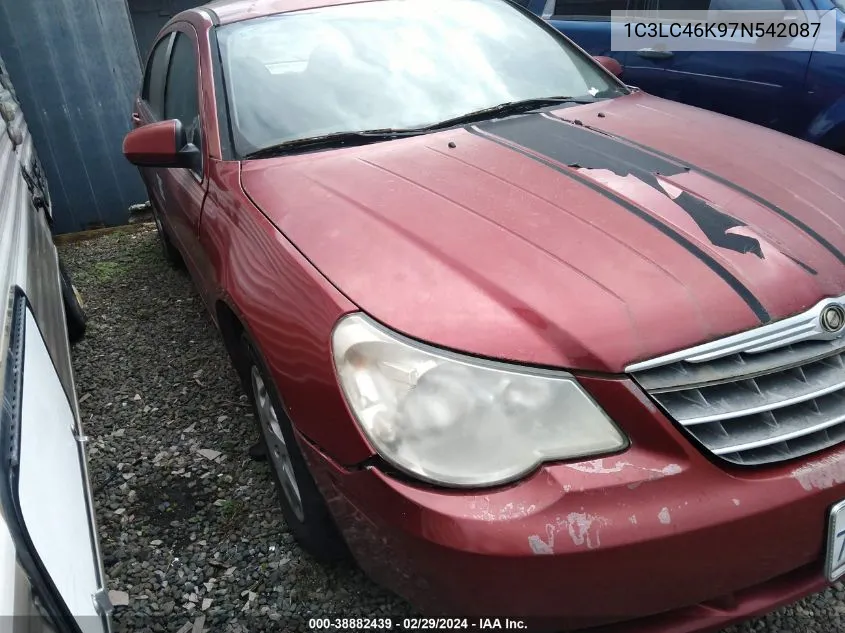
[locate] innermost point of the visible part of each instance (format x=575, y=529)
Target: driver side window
x=153, y=89
x=181, y=96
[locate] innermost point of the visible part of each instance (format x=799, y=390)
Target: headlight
x=458, y=420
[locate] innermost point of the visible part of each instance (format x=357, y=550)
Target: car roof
x=227, y=11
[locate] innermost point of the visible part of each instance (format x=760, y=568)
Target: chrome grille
x=763, y=396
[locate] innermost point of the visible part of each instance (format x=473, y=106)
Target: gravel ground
x=189, y=525
x=185, y=531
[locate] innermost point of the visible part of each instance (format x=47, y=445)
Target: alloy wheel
x=277, y=449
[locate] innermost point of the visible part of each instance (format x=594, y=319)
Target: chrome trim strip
x=765, y=370
x=800, y=327
x=772, y=406
x=738, y=448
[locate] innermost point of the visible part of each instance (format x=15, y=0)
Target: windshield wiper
x=503, y=109
x=331, y=141
x=365, y=137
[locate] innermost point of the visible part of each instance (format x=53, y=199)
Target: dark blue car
x=800, y=93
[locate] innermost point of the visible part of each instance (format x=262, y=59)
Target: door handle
x=653, y=53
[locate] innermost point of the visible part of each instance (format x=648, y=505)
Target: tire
x=170, y=252
x=303, y=506
x=75, y=315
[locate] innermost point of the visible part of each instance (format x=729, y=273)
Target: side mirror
x=162, y=144
x=611, y=65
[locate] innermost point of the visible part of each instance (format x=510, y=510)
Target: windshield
x=394, y=64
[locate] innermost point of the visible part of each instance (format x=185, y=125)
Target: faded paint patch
x=822, y=474
x=579, y=530
x=598, y=467
x=671, y=469
x=736, y=501
x=539, y=546
x=583, y=529
x=516, y=511
x=664, y=517
x=656, y=473
x=633, y=519
x=481, y=509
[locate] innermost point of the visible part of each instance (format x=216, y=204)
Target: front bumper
x=658, y=538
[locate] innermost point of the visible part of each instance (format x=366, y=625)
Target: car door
x=180, y=193
x=185, y=187
x=759, y=86
x=825, y=106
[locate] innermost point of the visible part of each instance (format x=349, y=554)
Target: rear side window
x=182, y=94
x=153, y=90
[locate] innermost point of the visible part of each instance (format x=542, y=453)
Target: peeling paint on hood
x=491, y=248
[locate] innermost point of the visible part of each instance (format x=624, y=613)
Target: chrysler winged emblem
x=832, y=319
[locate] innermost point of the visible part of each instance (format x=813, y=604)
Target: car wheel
x=303, y=506
x=74, y=311
x=170, y=252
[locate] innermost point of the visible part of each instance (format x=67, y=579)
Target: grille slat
x=769, y=395
x=735, y=399
x=734, y=367
x=797, y=424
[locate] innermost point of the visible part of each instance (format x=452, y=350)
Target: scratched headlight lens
x=458, y=420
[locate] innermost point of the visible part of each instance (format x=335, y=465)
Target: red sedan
x=525, y=340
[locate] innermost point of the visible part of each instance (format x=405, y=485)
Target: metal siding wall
x=149, y=16
x=75, y=67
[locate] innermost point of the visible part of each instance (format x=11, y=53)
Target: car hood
x=588, y=237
